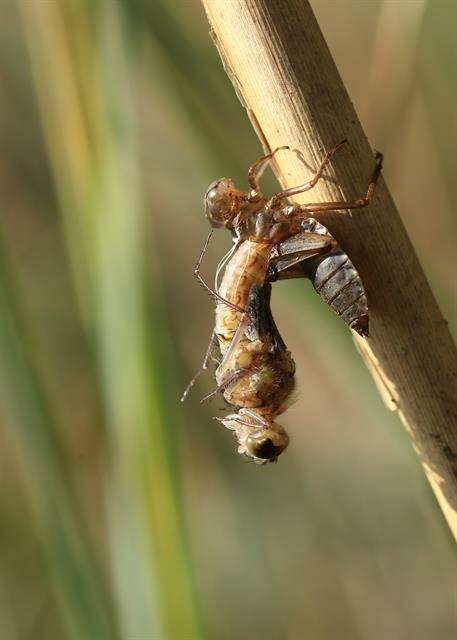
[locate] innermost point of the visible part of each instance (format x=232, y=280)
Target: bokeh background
x=125, y=514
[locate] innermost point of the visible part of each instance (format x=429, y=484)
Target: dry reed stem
x=284, y=74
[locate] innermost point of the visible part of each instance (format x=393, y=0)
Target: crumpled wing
x=330, y=270
x=298, y=248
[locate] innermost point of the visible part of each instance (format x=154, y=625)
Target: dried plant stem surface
x=283, y=72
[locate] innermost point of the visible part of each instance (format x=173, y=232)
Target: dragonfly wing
x=330, y=270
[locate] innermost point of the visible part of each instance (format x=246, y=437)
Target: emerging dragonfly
x=256, y=375
x=273, y=240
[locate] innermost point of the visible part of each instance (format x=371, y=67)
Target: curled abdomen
x=257, y=370
x=247, y=267
x=267, y=385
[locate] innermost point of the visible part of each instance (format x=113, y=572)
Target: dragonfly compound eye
x=263, y=448
x=220, y=202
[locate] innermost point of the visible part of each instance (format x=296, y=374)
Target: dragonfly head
x=222, y=203
x=265, y=444
x=260, y=439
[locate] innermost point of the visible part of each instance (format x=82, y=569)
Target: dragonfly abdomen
x=338, y=282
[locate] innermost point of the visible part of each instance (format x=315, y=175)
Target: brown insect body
x=273, y=241
x=257, y=371
x=247, y=267
x=257, y=377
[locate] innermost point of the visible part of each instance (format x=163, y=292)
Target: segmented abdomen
x=336, y=280
x=247, y=266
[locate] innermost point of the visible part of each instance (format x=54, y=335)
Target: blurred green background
x=125, y=514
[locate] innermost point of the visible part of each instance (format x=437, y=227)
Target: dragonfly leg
x=203, y=367
x=234, y=377
x=310, y=184
x=304, y=210
x=211, y=291
x=255, y=170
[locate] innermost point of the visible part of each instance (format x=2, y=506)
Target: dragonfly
x=273, y=240
x=256, y=376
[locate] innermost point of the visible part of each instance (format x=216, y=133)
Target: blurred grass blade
x=132, y=381
x=53, y=506
x=98, y=195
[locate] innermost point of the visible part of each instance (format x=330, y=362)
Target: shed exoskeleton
x=297, y=244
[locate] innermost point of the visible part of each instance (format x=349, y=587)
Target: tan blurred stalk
x=296, y=95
